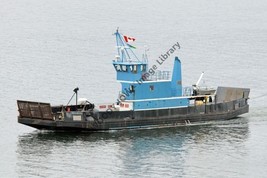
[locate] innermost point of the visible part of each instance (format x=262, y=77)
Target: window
x=132, y=88
x=135, y=69
x=151, y=87
x=118, y=67
x=124, y=68
x=143, y=68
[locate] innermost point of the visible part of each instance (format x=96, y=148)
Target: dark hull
x=118, y=120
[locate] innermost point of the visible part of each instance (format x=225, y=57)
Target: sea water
x=47, y=48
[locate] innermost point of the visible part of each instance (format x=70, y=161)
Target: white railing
x=160, y=75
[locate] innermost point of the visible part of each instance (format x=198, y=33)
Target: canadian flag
x=128, y=39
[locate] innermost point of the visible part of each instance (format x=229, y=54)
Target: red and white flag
x=128, y=39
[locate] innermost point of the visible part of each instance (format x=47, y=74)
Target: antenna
x=195, y=86
x=199, y=79
x=145, y=53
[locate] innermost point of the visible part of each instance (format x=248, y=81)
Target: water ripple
x=160, y=152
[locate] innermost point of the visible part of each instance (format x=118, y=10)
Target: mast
x=125, y=53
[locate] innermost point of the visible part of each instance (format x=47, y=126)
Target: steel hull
x=140, y=119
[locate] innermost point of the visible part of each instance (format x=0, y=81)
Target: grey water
x=47, y=48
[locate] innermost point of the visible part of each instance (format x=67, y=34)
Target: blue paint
x=134, y=77
x=176, y=84
x=127, y=71
x=161, y=103
x=148, y=90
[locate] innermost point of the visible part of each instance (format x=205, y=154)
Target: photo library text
x=152, y=70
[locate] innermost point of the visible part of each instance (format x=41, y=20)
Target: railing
x=160, y=75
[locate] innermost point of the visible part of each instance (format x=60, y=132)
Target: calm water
x=47, y=48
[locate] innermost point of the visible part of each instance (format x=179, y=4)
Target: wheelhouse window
x=143, y=68
x=124, y=68
x=117, y=67
x=135, y=69
x=120, y=68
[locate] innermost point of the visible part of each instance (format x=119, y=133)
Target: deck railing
x=160, y=75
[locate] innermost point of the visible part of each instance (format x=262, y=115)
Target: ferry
x=148, y=98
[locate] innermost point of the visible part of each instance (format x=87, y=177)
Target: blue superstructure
x=146, y=87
